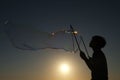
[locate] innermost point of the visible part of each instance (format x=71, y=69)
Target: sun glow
x=64, y=68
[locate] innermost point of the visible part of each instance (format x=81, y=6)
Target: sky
x=89, y=18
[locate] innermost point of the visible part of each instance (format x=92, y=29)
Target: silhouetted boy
x=97, y=63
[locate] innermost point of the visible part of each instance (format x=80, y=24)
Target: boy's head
x=97, y=42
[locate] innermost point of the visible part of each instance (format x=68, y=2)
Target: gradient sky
x=88, y=17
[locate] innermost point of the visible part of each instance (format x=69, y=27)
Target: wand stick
x=77, y=41
x=84, y=46
x=75, y=37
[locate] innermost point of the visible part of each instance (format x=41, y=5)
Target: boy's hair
x=100, y=41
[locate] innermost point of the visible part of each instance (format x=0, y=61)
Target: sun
x=64, y=68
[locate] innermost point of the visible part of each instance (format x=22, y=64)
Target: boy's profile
x=97, y=63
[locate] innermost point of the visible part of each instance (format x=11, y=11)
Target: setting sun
x=64, y=68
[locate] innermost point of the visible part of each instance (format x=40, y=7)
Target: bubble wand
x=74, y=34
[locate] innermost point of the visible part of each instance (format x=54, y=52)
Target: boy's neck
x=96, y=49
